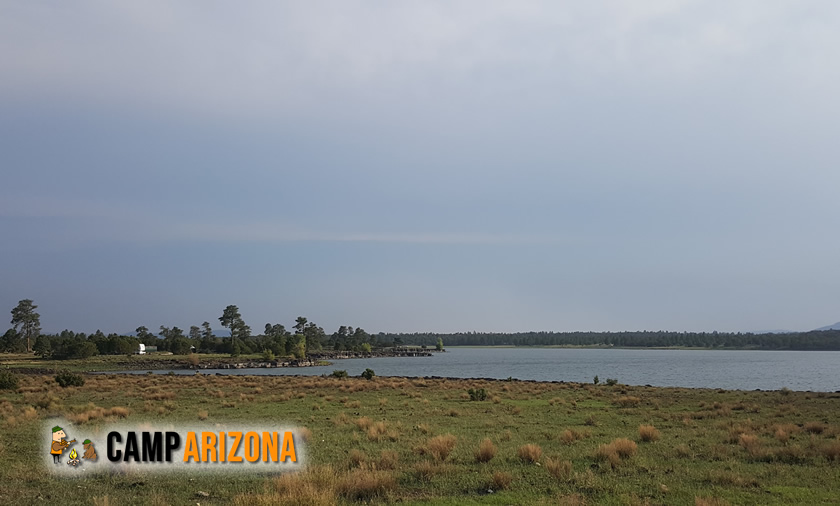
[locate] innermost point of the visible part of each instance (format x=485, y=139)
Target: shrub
x=595, y=380
x=368, y=374
x=560, y=469
x=486, y=451
x=624, y=447
x=8, y=380
x=339, y=374
x=530, y=453
x=69, y=379
x=441, y=446
x=570, y=436
x=268, y=355
x=478, y=394
x=612, y=381
x=621, y=448
x=648, y=433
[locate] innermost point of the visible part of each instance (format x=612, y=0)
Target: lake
x=729, y=369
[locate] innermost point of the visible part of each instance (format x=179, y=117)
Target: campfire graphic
x=74, y=458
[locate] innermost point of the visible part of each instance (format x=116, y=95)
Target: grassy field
x=420, y=441
x=99, y=363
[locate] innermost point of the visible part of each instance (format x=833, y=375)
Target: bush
x=268, y=355
x=530, y=453
x=596, y=380
x=440, y=447
x=612, y=381
x=368, y=374
x=8, y=380
x=648, y=433
x=486, y=451
x=477, y=394
x=339, y=374
x=69, y=379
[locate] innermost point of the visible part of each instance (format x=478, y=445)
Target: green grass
x=700, y=452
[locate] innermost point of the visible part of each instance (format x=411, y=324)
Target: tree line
x=814, y=340
x=306, y=337
x=275, y=341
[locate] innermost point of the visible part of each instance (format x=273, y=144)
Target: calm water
x=742, y=370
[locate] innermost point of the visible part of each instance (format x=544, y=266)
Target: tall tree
x=238, y=330
x=206, y=332
x=300, y=324
x=195, y=333
x=25, y=317
x=231, y=319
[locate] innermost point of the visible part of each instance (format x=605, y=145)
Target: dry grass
x=426, y=469
x=648, y=433
x=304, y=433
x=363, y=484
x=388, y=459
x=376, y=431
x=831, y=451
x=614, y=452
x=356, y=457
x=95, y=413
x=730, y=479
x=560, y=469
x=569, y=436
x=500, y=480
x=440, y=447
x=750, y=443
x=314, y=487
x=628, y=401
x=815, y=427
x=529, y=453
x=709, y=501
x=159, y=396
x=486, y=451
x=683, y=451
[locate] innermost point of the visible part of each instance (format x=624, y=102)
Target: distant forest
x=306, y=337
x=814, y=340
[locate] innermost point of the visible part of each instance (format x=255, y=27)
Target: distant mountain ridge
x=836, y=326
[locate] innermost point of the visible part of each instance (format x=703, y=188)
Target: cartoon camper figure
x=90, y=451
x=59, y=443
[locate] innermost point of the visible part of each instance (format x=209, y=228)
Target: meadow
x=429, y=441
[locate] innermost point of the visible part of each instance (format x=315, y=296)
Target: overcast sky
x=422, y=166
